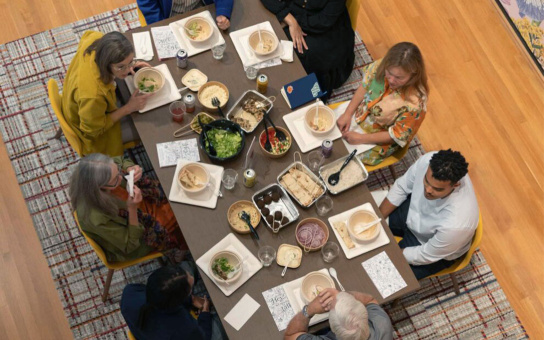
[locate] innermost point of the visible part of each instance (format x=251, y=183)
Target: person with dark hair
x=162, y=309
x=389, y=106
x=322, y=37
x=89, y=102
x=434, y=209
x=157, y=10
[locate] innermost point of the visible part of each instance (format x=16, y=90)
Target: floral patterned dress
x=384, y=109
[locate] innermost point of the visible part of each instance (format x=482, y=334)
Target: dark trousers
x=397, y=224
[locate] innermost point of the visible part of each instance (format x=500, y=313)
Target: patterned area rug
x=527, y=20
x=43, y=169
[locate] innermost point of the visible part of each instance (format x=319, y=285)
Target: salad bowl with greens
x=226, y=137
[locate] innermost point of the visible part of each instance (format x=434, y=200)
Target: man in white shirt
x=433, y=208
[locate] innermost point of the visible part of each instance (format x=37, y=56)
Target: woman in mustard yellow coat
x=89, y=103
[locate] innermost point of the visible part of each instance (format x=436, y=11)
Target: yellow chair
x=461, y=262
x=112, y=266
x=353, y=10
x=130, y=336
x=141, y=17
x=56, y=103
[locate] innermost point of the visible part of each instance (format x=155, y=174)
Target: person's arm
x=205, y=320
x=378, y=138
x=365, y=299
x=404, y=185
x=299, y=323
x=224, y=8
x=151, y=10
x=386, y=208
x=323, y=20
x=279, y=8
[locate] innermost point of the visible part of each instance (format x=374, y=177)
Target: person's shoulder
x=308, y=336
x=133, y=296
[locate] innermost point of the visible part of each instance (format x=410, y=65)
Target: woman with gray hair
x=89, y=103
x=126, y=227
x=352, y=316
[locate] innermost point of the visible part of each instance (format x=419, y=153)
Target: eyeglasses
x=124, y=67
x=118, y=178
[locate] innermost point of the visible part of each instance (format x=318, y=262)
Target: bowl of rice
x=213, y=89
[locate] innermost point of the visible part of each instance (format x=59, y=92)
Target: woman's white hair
x=349, y=318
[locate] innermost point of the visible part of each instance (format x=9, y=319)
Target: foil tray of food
x=248, y=110
x=302, y=184
x=353, y=174
x=276, y=208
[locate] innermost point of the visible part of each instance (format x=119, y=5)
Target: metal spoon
x=211, y=149
x=332, y=271
x=334, y=178
x=244, y=216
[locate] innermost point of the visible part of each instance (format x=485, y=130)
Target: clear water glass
x=177, y=109
x=315, y=160
x=330, y=251
x=266, y=255
x=218, y=51
x=229, y=178
x=251, y=72
x=323, y=205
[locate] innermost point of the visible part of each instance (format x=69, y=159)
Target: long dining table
x=202, y=228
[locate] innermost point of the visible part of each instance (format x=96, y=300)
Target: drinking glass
x=315, y=160
x=218, y=51
x=323, y=205
x=251, y=72
x=229, y=178
x=266, y=254
x=330, y=251
x=177, y=109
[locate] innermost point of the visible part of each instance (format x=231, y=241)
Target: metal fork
x=217, y=104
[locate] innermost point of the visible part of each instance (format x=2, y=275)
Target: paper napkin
x=287, y=54
x=142, y=45
x=130, y=183
x=242, y=311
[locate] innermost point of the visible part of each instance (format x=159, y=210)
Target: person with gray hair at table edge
x=352, y=316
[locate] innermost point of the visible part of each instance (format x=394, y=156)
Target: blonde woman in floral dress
x=390, y=104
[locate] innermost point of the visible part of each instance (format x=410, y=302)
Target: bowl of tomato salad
x=279, y=148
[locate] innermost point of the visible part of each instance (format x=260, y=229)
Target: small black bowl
x=223, y=124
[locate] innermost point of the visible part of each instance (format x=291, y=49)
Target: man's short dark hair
x=448, y=165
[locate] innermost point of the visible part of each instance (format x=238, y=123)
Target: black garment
x=330, y=38
x=397, y=224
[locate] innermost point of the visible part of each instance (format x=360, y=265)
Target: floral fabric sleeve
x=406, y=125
x=369, y=74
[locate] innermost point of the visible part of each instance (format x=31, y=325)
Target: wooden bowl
x=233, y=260
x=362, y=217
x=200, y=172
x=262, y=140
x=309, y=283
x=202, y=36
x=270, y=42
x=326, y=119
x=205, y=96
x=298, y=231
x=236, y=223
x=149, y=72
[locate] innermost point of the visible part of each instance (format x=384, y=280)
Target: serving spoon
x=281, y=136
x=244, y=216
x=362, y=228
x=211, y=149
x=334, y=178
x=267, y=145
x=293, y=256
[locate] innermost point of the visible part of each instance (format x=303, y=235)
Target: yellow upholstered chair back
x=56, y=103
x=141, y=17
x=353, y=10
x=394, y=158
x=130, y=336
x=465, y=260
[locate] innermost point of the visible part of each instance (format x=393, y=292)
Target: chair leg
x=455, y=283
x=393, y=171
x=107, y=285
x=58, y=134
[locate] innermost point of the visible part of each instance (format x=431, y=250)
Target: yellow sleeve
x=93, y=118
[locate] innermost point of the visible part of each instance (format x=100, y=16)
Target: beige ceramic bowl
x=233, y=259
x=201, y=36
x=205, y=99
x=149, y=72
x=311, y=284
x=320, y=224
x=236, y=223
x=325, y=118
x=262, y=140
x=200, y=172
x=269, y=40
x=362, y=217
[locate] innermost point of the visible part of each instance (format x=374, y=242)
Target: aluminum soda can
x=189, y=100
x=250, y=177
x=262, y=83
x=326, y=148
x=181, y=58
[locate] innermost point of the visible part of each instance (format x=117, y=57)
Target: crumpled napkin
x=287, y=54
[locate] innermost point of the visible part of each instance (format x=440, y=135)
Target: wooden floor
x=486, y=101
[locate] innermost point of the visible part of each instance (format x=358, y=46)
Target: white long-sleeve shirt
x=445, y=226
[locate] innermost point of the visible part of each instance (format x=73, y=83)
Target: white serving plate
x=193, y=47
x=251, y=264
x=304, y=138
x=166, y=95
x=207, y=198
x=241, y=44
x=360, y=248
